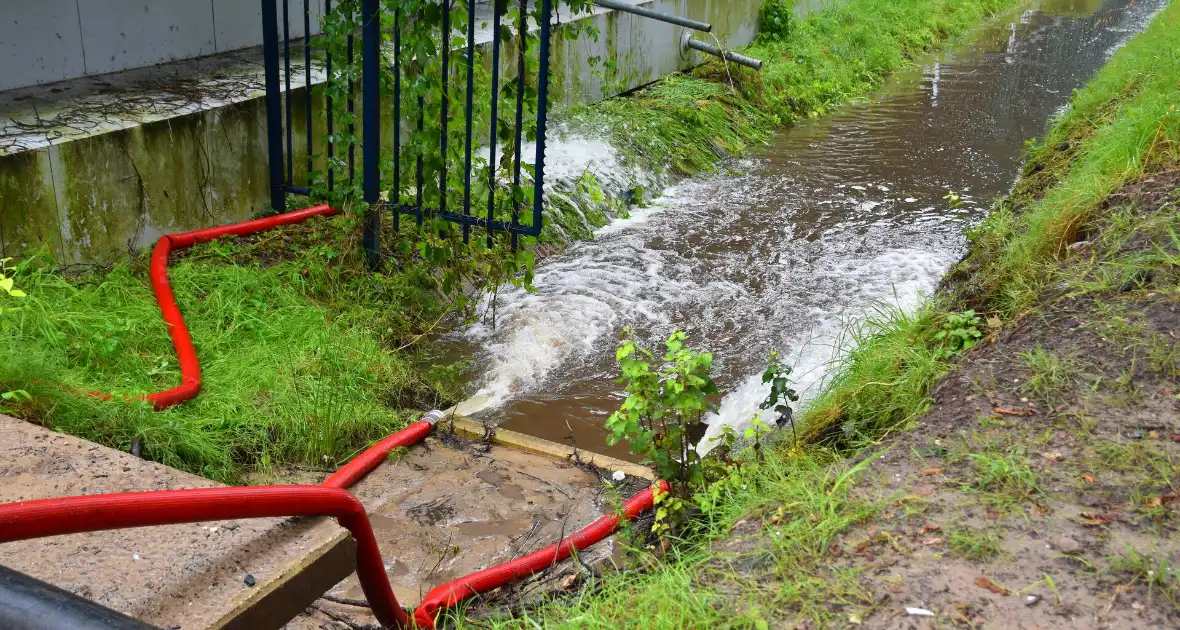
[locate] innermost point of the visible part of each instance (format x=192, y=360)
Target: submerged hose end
x=434, y=417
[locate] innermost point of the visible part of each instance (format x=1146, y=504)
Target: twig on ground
x=347, y=601
x=345, y=620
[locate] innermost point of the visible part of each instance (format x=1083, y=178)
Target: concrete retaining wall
x=89, y=197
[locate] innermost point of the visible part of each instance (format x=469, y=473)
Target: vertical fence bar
x=274, y=112
x=397, y=119
x=495, y=121
x=520, y=71
x=287, y=93
x=351, y=108
x=307, y=80
x=329, y=111
x=371, y=126
x=470, y=108
x=419, y=176
x=542, y=117
x=446, y=101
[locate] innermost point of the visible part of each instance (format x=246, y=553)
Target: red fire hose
x=446, y=595
x=362, y=464
x=72, y=515
x=190, y=369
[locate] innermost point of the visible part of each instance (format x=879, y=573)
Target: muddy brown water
x=836, y=217
x=450, y=507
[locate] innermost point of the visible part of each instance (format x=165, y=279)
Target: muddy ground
x=1042, y=489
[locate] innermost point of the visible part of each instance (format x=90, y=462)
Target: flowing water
x=782, y=251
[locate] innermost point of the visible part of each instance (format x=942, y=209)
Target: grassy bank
x=1044, y=470
x=298, y=348
x=1119, y=128
x=688, y=123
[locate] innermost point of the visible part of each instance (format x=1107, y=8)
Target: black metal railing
x=421, y=177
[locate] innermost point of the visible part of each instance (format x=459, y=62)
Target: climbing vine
x=8, y=286
x=9, y=295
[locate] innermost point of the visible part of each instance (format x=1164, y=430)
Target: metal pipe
x=655, y=15
x=287, y=90
x=329, y=110
x=351, y=110
x=470, y=112
x=740, y=59
x=29, y=603
x=494, y=118
x=523, y=41
x=397, y=118
x=444, y=105
x=307, y=83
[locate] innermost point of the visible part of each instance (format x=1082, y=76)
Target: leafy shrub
x=959, y=333
x=774, y=20
x=665, y=407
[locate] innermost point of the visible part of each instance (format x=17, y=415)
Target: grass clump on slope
x=297, y=347
x=689, y=122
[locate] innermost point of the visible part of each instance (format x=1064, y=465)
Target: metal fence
x=490, y=193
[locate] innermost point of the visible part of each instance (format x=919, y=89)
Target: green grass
x=1005, y=478
x=1157, y=572
x=974, y=544
x=298, y=354
x=695, y=586
x=883, y=379
x=1049, y=374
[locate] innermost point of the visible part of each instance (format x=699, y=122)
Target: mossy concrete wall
x=91, y=198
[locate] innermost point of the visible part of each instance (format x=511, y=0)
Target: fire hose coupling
x=434, y=417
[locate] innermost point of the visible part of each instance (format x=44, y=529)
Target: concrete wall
x=42, y=41
x=90, y=198
x=643, y=49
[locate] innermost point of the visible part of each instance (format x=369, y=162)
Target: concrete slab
x=178, y=576
x=443, y=509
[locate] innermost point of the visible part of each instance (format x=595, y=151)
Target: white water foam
x=582, y=302
x=582, y=293
x=896, y=279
